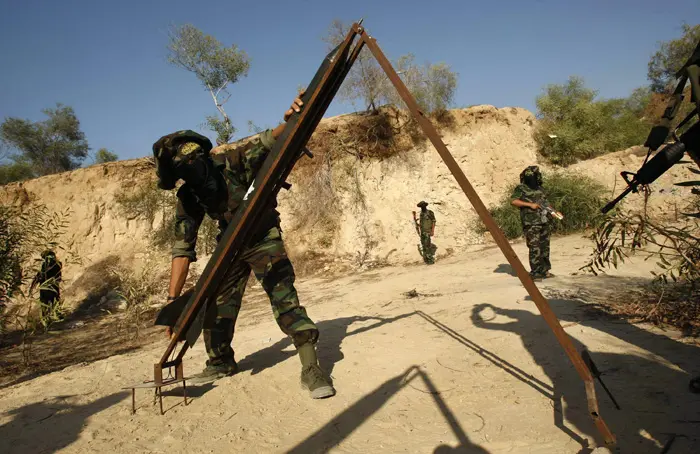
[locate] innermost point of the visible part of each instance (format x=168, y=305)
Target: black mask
x=203, y=179
x=195, y=172
x=532, y=181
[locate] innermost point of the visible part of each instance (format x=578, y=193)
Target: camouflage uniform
x=265, y=256
x=49, y=280
x=427, y=223
x=536, y=229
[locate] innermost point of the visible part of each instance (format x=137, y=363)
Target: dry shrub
x=136, y=287
x=339, y=148
x=150, y=203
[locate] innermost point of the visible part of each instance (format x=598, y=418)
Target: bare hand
x=535, y=206
x=296, y=105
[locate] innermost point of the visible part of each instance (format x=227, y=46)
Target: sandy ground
x=469, y=366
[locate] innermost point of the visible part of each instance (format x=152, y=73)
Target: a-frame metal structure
x=196, y=309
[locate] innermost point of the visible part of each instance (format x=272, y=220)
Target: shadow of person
x=683, y=355
x=647, y=412
x=344, y=424
x=332, y=333
x=537, y=338
x=660, y=373
x=505, y=268
x=50, y=425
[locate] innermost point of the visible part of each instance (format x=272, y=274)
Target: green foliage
x=670, y=57
x=573, y=125
x=673, y=295
x=677, y=247
x=223, y=129
x=578, y=197
x=11, y=242
x=24, y=233
x=104, y=155
x=16, y=171
x=433, y=86
x=215, y=65
x=54, y=145
x=365, y=80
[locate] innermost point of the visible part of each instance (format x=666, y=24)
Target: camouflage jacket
x=528, y=216
x=427, y=221
x=239, y=166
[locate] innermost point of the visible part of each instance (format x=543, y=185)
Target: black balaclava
x=203, y=178
x=531, y=177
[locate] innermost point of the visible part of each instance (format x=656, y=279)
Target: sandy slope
x=491, y=145
x=426, y=374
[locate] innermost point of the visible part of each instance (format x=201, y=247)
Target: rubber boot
x=312, y=377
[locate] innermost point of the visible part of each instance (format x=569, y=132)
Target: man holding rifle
x=534, y=215
x=426, y=229
x=215, y=186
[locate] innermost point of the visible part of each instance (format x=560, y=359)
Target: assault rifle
x=552, y=212
x=548, y=209
x=673, y=152
x=415, y=222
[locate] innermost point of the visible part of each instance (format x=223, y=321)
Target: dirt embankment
x=373, y=196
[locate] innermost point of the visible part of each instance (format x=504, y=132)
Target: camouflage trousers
x=537, y=239
x=428, y=248
x=268, y=259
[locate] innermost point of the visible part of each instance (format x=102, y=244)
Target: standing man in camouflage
x=426, y=230
x=530, y=198
x=215, y=186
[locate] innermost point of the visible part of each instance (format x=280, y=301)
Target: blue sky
x=106, y=59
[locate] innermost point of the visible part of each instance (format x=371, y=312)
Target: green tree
x=433, y=85
x=104, y=155
x=54, y=145
x=15, y=171
x=670, y=57
x=366, y=80
x=573, y=125
x=215, y=66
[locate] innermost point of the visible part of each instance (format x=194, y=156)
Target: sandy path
x=441, y=373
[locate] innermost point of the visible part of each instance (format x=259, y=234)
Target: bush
x=17, y=171
x=674, y=295
x=136, y=288
x=574, y=126
x=148, y=202
x=578, y=197
x=24, y=234
x=103, y=155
